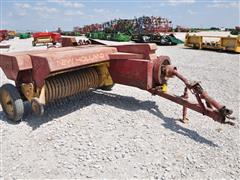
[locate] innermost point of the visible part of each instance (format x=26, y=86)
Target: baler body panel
x=148, y=51
x=45, y=64
x=132, y=72
x=13, y=63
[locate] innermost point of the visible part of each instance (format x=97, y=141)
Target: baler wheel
x=37, y=107
x=11, y=102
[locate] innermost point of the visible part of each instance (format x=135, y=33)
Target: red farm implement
x=47, y=75
x=3, y=35
x=45, y=38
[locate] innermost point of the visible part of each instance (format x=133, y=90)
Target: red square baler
x=45, y=76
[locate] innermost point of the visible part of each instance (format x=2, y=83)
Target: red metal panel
x=46, y=63
x=43, y=34
x=57, y=61
x=55, y=36
x=132, y=72
x=39, y=34
x=148, y=50
x=13, y=63
x=122, y=55
x=214, y=114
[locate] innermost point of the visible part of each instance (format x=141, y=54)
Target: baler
x=45, y=76
x=45, y=37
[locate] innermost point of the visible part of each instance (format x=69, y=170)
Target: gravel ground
x=127, y=133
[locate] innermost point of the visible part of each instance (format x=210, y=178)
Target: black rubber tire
x=107, y=88
x=54, y=43
x=17, y=102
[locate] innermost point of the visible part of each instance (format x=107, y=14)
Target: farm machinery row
x=44, y=76
x=9, y=34
x=151, y=29
x=158, y=38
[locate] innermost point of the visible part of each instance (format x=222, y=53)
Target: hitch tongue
x=210, y=108
x=223, y=111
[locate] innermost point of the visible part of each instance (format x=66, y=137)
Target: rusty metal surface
x=158, y=77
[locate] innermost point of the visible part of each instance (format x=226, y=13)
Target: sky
x=42, y=15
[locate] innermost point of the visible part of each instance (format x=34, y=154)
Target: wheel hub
x=7, y=102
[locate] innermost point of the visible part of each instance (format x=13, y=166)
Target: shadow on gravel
x=212, y=50
x=66, y=106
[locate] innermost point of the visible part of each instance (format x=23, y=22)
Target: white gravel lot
x=127, y=133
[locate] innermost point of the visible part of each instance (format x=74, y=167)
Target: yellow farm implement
x=213, y=42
